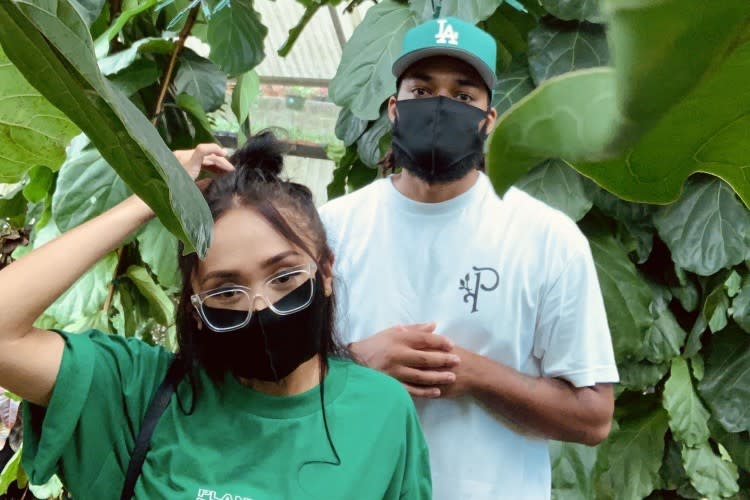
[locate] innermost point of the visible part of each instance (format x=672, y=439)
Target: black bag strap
x=156, y=408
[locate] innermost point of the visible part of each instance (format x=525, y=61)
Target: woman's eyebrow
x=278, y=258
x=219, y=274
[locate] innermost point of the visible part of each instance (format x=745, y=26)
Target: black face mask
x=438, y=139
x=270, y=346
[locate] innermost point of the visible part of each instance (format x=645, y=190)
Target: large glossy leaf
x=471, y=11
x=560, y=187
x=688, y=418
x=49, y=42
x=736, y=443
x=676, y=109
x=11, y=472
x=161, y=307
x=626, y=297
x=642, y=375
x=708, y=229
x=201, y=79
x=87, y=295
x=741, y=309
x=236, y=35
x=244, y=94
x=32, y=131
x=363, y=79
x=368, y=145
x=556, y=48
x=89, y=9
x=630, y=459
x=511, y=87
x=574, y=10
x=349, y=128
x=726, y=384
x=158, y=249
x=118, y=61
x=572, y=467
x=709, y=474
x=86, y=187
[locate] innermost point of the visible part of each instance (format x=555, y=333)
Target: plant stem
x=118, y=270
x=295, y=32
x=166, y=78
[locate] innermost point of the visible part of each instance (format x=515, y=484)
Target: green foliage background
x=637, y=106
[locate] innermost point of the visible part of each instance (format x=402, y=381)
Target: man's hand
x=413, y=354
x=206, y=156
x=465, y=373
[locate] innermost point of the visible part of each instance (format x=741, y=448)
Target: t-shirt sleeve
x=573, y=340
x=101, y=393
x=417, y=479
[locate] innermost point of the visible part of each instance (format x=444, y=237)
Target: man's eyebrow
x=465, y=82
x=418, y=76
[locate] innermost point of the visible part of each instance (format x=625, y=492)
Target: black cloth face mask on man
x=438, y=139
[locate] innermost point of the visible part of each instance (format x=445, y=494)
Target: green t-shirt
x=238, y=444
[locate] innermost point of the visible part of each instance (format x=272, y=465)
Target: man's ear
x=392, y=111
x=488, y=124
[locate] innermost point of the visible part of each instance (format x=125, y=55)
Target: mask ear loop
x=325, y=419
x=268, y=351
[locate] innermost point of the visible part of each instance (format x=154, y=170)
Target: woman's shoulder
x=376, y=386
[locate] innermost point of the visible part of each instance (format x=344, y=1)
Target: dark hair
x=288, y=207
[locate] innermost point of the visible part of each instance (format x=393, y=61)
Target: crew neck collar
x=406, y=204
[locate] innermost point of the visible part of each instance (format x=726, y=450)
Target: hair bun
x=261, y=154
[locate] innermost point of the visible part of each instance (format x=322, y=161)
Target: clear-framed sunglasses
x=230, y=307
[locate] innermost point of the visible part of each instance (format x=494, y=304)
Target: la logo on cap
x=445, y=33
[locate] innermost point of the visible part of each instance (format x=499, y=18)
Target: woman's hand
x=206, y=156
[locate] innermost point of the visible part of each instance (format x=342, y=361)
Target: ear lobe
x=392, y=111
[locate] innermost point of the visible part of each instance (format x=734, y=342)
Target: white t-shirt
x=511, y=279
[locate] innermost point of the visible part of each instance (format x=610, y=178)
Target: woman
x=251, y=419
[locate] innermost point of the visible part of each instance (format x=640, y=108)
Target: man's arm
x=550, y=407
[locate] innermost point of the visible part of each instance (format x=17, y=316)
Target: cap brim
x=403, y=62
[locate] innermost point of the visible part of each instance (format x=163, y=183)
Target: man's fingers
x=428, y=341
x=422, y=392
x=415, y=376
x=429, y=359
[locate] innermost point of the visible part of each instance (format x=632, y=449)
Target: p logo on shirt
x=481, y=279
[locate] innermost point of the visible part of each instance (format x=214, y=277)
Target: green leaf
x=557, y=48
x=201, y=79
x=471, y=11
x=198, y=118
x=114, y=63
x=715, y=309
x=363, y=79
x=626, y=297
x=236, y=35
x=86, y=187
x=740, y=307
x=162, y=307
x=664, y=79
x=574, y=10
x=32, y=131
x=665, y=337
x=708, y=229
x=572, y=467
x=158, y=249
x=61, y=64
x=244, y=94
x=630, y=459
x=13, y=205
x=12, y=472
x=41, y=182
x=89, y=10
x=510, y=28
x=349, y=128
x=368, y=145
x=688, y=418
x=709, y=474
x=726, y=384
x=733, y=284
x=560, y=187
x=641, y=375
x=133, y=314
x=736, y=443
x=511, y=87
x=360, y=175
x=140, y=74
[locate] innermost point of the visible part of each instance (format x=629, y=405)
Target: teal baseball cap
x=451, y=37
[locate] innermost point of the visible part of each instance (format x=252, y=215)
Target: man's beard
x=440, y=175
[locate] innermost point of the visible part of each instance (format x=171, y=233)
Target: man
x=487, y=309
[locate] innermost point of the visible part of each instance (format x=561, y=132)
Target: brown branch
x=115, y=8
x=166, y=78
x=119, y=268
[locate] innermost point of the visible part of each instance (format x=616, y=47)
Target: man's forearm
x=550, y=407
